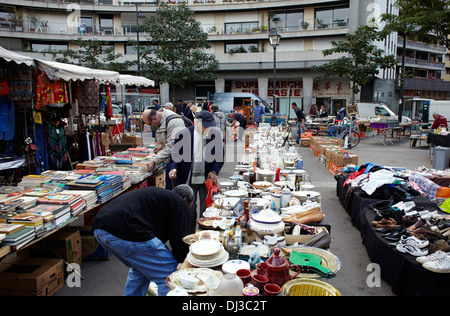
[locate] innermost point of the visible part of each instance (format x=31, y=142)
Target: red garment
x=439, y=121
x=353, y=176
x=44, y=91
x=108, y=112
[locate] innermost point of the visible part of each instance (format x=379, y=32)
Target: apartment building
x=238, y=33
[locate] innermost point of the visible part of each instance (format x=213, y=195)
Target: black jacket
x=143, y=214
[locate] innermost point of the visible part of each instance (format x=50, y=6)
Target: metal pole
x=274, y=76
x=137, y=37
x=402, y=81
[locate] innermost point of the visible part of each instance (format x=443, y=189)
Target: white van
x=423, y=109
x=229, y=101
x=374, y=110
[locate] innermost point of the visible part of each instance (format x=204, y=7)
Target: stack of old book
x=53, y=215
x=31, y=181
x=90, y=196
x=113, y=186
x=17, y=235
x=22, y=202
x=75, y=201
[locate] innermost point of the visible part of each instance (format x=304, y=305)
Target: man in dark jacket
x=197, y=155
x=135, y=227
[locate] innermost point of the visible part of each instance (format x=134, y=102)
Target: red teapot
x=278, y=268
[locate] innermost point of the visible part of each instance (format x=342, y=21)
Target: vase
x=230, y=285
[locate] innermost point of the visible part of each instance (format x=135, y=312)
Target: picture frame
x=352, y=109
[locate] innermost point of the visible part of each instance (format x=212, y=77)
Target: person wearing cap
x=197, y=156
x=439, y=121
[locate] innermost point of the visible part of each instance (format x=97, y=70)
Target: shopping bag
x=211, y=190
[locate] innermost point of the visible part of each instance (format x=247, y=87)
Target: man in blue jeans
x=135, y=228
x=300, y=120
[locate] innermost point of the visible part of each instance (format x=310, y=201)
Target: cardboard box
x=66, y=243
x=304, y=142
x=90, y=248
x=157, y=180
x=31, y=276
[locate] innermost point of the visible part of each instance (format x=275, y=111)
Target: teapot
x=278, y=268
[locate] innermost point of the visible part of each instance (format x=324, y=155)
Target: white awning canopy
x=17, y=58
x=135, y=81
x=56, y=71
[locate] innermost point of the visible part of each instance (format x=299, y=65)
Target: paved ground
x=108, y=277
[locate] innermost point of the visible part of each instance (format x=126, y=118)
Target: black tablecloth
x=438, y=140
x=402, y=271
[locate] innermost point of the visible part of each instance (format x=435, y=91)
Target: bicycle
x=350, y=136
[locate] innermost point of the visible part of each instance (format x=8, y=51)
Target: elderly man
x=135, y=228
x=197, y=156
x=167, y=124
x=439, y=120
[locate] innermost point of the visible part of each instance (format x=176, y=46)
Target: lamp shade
x=274, y=38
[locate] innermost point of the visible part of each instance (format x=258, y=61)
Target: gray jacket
x=165, y=136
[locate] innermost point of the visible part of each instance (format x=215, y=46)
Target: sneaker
x=433, y=256
x=440, y=264
x=410, y=246
x=421, y=243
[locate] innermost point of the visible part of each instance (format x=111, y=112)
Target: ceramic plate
x=329, y=260
x=208, y=263
x=202, y=274
x=236, y=193
x=308, y=287
x=233, y=265
x=205, y=247
x=262, y=184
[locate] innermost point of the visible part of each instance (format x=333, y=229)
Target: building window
x=241, y=28
x=332, y=17
x=47, y=47
x=288, y=21
x=86, y=25
x=131, y=49
x=241, y=48
x=106, y=24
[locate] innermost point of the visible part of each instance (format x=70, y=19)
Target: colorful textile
x=57, y=147
x=88, y=97
x=20, y=82
x=44, y=91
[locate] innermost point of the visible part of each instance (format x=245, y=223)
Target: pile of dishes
x=207, y=253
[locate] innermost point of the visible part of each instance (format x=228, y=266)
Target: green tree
x=362, y=59
x=179, y=57
x=425, y=20
x=92, y=54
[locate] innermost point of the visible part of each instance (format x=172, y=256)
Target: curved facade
x=238, y=33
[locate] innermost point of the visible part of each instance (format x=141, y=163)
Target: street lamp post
x=274, y=40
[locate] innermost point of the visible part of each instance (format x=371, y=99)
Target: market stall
x=367, y=205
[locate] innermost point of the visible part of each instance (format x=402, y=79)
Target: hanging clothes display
x=39, y=139
x=60, y=92
x=108, y=112
x=20, y=81
x=44, y=91
x=57, y=147
x=7, y=119
x=89, y=145
x=88, y=97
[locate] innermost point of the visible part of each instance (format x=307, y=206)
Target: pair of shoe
x=385, y=223
x=395, y=234
x=413, y=246
x=438, y=262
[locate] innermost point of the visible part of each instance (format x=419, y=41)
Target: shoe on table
x=409, y=246
x=440, y=264
x=385, y=223
x=431, y=257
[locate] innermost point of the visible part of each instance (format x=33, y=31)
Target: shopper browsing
x=135, y=228
x=167, y=124
x=197, y=156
